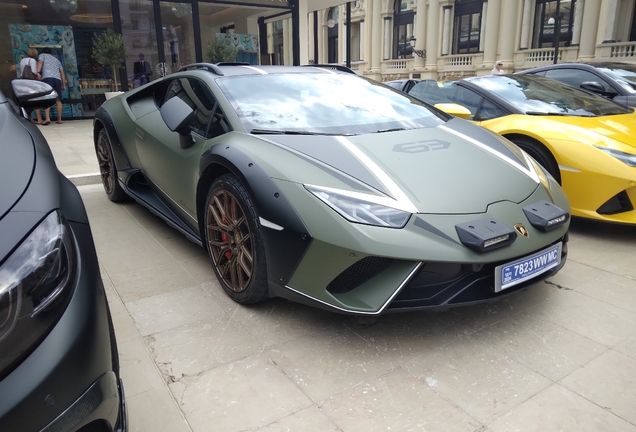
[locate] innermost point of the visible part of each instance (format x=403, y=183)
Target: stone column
x=387, y=38
x=492, y=33
x=591, y=12
x=432, y=35
x=524, y=43
x=420, y=33
x=342, y=35
x=376, y=36
x=322, y=37
x=610, y=21
x=288, y=54
x=578, y=22
x=482, y=30
x=508, y=34
x=303, y=27
x=446, y=30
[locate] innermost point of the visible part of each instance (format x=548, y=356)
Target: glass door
x=178, y=35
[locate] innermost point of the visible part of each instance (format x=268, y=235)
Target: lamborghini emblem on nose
x=521, y=230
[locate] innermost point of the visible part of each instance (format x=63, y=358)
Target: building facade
x=160, y=37
x=447, y=39
x=380, y=39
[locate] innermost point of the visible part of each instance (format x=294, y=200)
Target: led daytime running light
x=496, y=240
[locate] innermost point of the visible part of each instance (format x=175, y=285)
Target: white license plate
x=511, y=274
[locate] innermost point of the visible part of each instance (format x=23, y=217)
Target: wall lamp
x=419, y=53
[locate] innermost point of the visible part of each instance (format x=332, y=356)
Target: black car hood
x=17, y=160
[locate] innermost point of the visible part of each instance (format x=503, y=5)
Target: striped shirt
x=50, y=67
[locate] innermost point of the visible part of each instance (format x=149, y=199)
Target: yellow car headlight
x=627, y=158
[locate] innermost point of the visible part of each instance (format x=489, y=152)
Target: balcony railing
x=400, y=64
x=543, y=55
x=623, y=50
x=459, y=60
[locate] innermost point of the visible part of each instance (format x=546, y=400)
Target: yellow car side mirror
x=454, y=109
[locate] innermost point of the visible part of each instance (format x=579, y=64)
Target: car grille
x=357, y=274
x=447, y=284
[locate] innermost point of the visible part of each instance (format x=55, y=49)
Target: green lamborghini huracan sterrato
x=317, y=185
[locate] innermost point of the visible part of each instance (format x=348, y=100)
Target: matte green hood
x=437, y=170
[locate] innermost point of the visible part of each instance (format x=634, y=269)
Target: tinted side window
x=198, y=97
x=489, y=110
x=467, y=98
x=430, y=92
x=575, y=77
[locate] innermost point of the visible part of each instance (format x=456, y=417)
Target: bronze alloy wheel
x=230, y=240
x=105, y=160
x=107, y=169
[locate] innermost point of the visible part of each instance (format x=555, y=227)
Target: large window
x=140, y=35
x=467, y=28
x=403, y=17
x=546, y=21
x=632, y=32
x=332, y=35
x=67, y=28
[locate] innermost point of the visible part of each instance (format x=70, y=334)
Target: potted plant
x=219, y=51
x=109, y=50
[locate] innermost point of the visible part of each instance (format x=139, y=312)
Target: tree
x=219, y=51
x=109, y=50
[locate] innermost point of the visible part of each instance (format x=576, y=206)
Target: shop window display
x=67, y=27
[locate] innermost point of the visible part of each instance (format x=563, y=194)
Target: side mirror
x=32, y=94
x=598, y=88
x=454, y=109
x=177, y=115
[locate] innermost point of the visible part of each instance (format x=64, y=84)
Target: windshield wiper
x=390, y=130
x=543, y=113
x=282, y=132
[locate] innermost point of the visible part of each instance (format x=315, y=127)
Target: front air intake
x=619, y=203
x=357, y=274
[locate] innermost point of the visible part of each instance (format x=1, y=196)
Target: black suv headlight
x=35, y=286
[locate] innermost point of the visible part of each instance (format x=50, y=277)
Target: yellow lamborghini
x=586, y=142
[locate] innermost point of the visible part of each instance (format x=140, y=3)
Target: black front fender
x=104, y=120
x=284, y=247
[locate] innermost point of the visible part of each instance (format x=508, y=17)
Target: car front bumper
x=69, y=380
x=359, y=269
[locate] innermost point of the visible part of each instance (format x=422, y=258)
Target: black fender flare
x=104, y=118
x=285, y=247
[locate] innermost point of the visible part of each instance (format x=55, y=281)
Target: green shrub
x=109, y=50
x=219, y=51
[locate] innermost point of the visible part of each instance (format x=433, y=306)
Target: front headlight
x=541, y=173
x=360, y=210
x=627, y=158
x=33, y=279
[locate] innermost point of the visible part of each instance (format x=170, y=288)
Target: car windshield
x=625, y=75
x=544, y=96
x=323, y=103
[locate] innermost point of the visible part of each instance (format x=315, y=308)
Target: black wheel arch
x=284, y=248
x=104, y=120
x=516, y=138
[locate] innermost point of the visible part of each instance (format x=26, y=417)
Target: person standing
x=29, y=70
x=52, y=73
x=498, y=69
x=142, y=71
